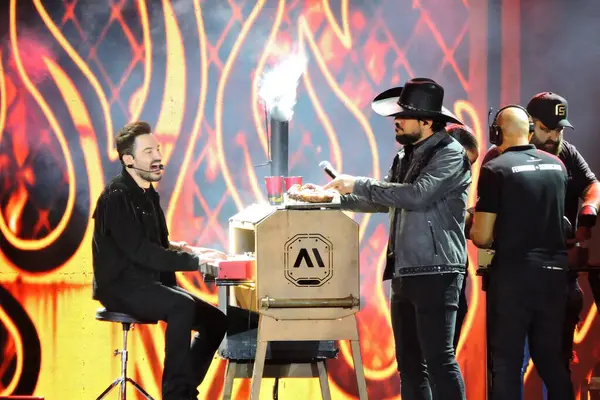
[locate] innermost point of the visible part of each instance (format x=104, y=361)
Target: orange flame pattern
x=191, y=68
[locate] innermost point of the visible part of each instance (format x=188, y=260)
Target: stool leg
x=123, y=379
x=109, y=388
x=124, y=362
x=229, y=378
x=140, y=389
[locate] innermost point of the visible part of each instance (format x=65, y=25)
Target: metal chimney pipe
x=279, y=147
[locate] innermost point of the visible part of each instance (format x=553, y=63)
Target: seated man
x=135, y=264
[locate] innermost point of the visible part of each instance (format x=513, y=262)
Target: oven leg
x=259, y=365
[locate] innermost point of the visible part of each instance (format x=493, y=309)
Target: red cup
x=274, y=189
x=291, y=181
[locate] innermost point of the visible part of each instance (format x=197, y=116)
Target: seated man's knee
x=184, y=306
x=219, y=324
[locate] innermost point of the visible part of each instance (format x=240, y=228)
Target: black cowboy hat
x=419, y=98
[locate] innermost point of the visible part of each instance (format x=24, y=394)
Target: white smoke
x=277, y=86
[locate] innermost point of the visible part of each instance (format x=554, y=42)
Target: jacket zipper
x=433, y=238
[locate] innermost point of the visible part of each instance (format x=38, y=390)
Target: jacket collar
x=132, y=185
x=422, y=146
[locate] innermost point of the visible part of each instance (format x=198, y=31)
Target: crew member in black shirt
x=135, y=264
x=520, y=211
x=549, y=112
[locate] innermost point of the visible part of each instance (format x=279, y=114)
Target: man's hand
x=214, y=255
x=177, y=246
x=344, y=184
x=203, y=252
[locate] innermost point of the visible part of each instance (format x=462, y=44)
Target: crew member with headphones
x=520, y=211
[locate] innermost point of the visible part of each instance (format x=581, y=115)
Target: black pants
x=574, y=305
x=527, y=301
x=461, y=314
x=594, y=279
x=423, y=311
x=184, y=366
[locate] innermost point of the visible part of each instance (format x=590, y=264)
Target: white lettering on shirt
x=538, y=167
x=523, y=168
x=545, y=167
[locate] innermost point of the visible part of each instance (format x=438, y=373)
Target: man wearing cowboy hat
x=425, y=193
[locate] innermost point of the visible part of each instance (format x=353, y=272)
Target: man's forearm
x=589, y=208
x=352, y=202
x=440, y=175
x=591, y=195
x=469, y=222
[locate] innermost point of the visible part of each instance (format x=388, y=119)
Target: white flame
x=277, y=86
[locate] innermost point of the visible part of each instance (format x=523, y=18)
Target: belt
x=432, y=269
x=553, y=268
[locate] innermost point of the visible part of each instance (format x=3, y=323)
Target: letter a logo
x=303, y=255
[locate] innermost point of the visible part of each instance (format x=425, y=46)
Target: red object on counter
x=242, y=268
x=274, y=189
x=291, y=181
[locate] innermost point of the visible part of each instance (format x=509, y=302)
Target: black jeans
x=594, y=279
x=423, y=311
x=184, y=366
x=461, y=314
x=527, y=301
x=573, y=307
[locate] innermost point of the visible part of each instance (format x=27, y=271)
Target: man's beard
x=549, y=146
x=408, y=138
x=150, y=177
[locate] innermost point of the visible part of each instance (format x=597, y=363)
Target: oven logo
x=308, y=260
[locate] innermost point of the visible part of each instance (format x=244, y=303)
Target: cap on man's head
x=551, y=109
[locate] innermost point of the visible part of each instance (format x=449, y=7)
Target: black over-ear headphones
x=496, y=131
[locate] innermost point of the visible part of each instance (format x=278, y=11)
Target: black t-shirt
x=525, y=188
x=580, y=177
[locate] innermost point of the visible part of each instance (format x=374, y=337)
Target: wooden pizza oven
x=306, y=261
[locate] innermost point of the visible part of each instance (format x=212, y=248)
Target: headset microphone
x=160, y=167
x=328, y=168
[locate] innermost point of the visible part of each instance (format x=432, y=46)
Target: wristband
x=587, y=216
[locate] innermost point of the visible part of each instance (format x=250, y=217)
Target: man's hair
x=464, y=136
x=126, y=137
x=437, y=126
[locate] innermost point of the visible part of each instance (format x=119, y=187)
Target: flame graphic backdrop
x=73, y=72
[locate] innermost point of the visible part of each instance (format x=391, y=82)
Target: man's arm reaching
x=443, y=173
x=352, y=202
x=482, y=231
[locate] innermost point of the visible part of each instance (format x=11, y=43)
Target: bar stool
x=102, y=314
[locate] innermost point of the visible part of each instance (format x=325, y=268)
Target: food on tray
x=310, y=193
